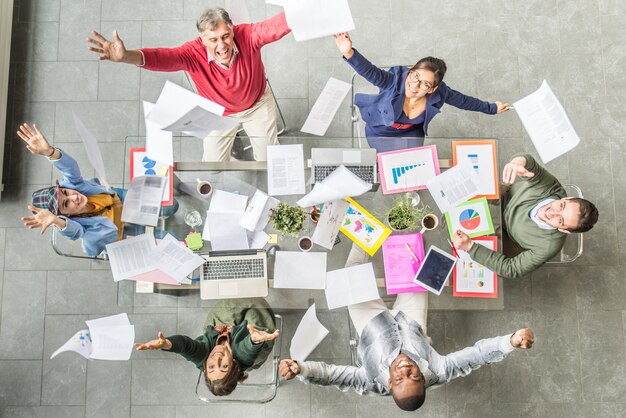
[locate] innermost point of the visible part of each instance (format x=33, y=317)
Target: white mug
x=429, y=222
x=204, y=188
x=303, y=242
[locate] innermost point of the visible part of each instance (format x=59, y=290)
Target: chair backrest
x=71, y=248
x=261, y=384
x=573, y=247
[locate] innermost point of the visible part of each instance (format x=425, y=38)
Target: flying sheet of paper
x=174, y=259
x=93, y=150
x=339, y=184
x=159, y=145
x=112, y=343
x=310, y=19
x=330, y=221
x=79, y=343
x=326, y=106
x=238, y=11
x=257, y=239
x=285, y=169
x=222, y=221
x=257, y=214
x=309, y=334
x=131, y=256
x=547, y=123
x=290, y=274
x=351, y=285
x=454, y=186
x=143, y=200
x=199, y=123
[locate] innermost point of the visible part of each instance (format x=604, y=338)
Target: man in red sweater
x=225, y=64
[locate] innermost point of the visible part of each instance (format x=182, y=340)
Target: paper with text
x=454, y=186
x=257, y=213
x=159, y=145
x=326, y=107
x=174, y=259
x=547, y=124
x=330, y=221
x=290, y=274
x=339, y=184
x=310, y=19
x=351, y=285
x=285, y=169
x=309, y=334
x=143, y=200
x=93, y=150
x=131, y=256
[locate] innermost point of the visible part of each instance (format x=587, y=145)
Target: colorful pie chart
x=469, y=219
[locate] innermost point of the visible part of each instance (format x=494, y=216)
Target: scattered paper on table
x=351, y=285
x=238, y=11
x=131, y=256
x=339, y=184
x=329, y=223
x=143, y=200
x=285, y=169
x=174, y=259
x=326, y=107
x=289, y=271
x=547, y=124
x=222, y=221
x=309, y=334
x=158, y=142
x=257, y=214
x=93, y=150
x=310, y=19
x=257, y=239
x=454, y=186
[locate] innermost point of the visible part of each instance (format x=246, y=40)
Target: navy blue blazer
x=385, y=107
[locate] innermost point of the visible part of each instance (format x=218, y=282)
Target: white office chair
x=260, y=386
x=74, y=249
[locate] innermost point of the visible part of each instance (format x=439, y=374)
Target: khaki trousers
x=259, y=122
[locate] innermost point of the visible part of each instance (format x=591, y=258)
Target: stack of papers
x=339, y=184
x=308, y=335
x=351, y=285
x=140, y=258
x=108, y=338
x=300, y=270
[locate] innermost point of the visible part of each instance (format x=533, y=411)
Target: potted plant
x=404, y=215
x=287, y=219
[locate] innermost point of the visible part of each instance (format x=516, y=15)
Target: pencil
x=408, y=247
x=453, y=250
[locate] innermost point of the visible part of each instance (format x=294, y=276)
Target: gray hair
x=211, y=18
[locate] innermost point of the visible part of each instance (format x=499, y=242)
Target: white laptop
x=361, y=161
x=234, y=274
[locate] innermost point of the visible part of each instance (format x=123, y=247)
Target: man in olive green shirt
x=537, y=216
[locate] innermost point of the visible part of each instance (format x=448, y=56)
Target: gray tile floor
x=495, y=50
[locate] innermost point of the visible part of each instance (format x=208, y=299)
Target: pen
x=453, y=250
x=408, y=247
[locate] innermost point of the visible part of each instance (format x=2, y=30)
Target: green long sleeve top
x=539, y=245
x=198, y=350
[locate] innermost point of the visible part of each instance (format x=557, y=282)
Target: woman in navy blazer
x=398, y=116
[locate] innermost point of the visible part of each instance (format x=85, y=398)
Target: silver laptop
x=361, y=162
x=234, y=274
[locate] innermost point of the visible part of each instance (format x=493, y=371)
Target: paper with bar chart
x=481, y=156
x=407, y=169
x=472, y=217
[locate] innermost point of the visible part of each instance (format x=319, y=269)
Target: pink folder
x=400, y=266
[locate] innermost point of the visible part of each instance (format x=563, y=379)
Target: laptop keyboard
x=364, y=172
x=250, y=268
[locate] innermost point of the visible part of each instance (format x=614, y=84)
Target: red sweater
x=238, y=88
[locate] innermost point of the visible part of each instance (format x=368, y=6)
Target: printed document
x=257, y=214
x=300, y=270
x=174, y=259
x=351, y=285
x=454, y=186
x=339, y=184
x=159, y=145
x=547, y=123
x=93, y=150
x=331, y=219
x=309, y=334
x=310, y=19
x=326, y=107
x=285, y=169
x=222, y=222
x=143, y=200
x=131, y=256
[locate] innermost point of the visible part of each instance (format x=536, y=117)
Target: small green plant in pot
x=287, y=219
x=404, y=216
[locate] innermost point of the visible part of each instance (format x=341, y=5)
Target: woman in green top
x=230, y=345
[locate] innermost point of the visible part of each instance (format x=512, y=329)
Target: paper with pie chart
x=472, y=217
x=472, y=279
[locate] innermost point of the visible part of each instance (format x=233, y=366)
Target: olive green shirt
x=539, y=245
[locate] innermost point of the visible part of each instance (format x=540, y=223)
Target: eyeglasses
x=414, y=77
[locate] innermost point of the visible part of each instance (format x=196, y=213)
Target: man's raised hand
x=113, y=51
x=288, y=369
x=515, y=168
x=524, y=339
